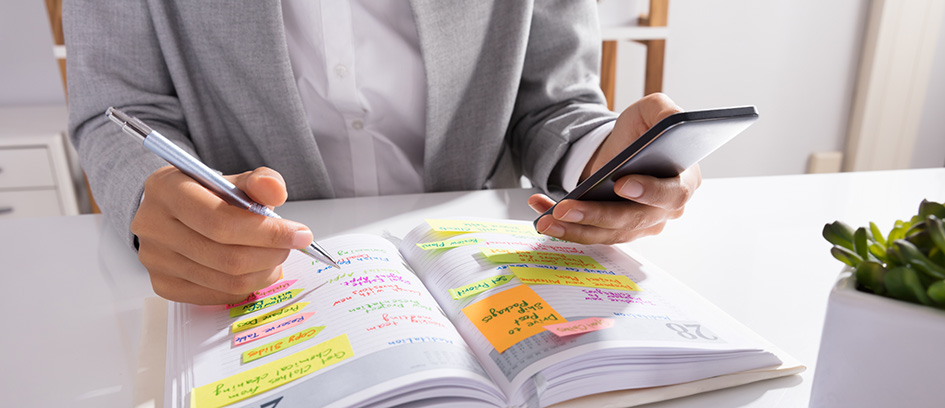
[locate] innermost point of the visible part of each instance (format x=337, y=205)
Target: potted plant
x=885, y=318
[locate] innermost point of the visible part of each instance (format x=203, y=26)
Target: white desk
x=750, y=245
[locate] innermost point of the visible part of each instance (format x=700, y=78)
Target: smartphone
x=668, y=148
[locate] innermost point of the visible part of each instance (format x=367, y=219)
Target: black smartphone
x=667, y=149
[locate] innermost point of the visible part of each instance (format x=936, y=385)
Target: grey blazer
x=510, y=86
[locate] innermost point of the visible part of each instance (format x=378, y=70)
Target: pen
x=207, y=177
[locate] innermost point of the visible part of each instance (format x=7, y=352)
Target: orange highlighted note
x=511, y=316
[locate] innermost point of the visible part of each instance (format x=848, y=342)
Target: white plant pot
x=879, y=352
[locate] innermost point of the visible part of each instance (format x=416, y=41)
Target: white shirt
x=361, y=79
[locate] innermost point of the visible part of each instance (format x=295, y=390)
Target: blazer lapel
x=252, y=87
x=470, y=96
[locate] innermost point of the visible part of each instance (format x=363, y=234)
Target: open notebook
x=462, y=312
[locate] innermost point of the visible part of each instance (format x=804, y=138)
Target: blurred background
x=843, y=85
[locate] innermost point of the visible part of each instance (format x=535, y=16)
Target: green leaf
x=870, y=275
x=879, y=252
x=915, y=258
x=911, y=280
x=927, y=208
x=936, y=292
x=861, y=243
x=838, y=233
x=877, y=234
x=845, y=255
x=936, y=231
x=895, y=287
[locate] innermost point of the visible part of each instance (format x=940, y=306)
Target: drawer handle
x=4, y=210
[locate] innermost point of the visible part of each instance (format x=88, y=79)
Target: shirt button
x=341, y=71
x=357, y=125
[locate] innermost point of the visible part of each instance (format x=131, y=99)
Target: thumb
x=263, y=185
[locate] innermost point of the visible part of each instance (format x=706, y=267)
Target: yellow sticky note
x=281, y=344
x=263, y=303
x=241, y=325
x=482, y=226
x=511, y=316
x=500, y=255
x=539, y=276
x=449, y=243
x=271, y=375
x=480, y=286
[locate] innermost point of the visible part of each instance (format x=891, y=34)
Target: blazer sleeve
x=115, y=59
x=559, y=98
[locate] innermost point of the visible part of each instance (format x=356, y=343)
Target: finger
x=540, y=203
x=207, y=214
x=668, y=193
x=588, y=234
x=167, y=268
x=615, y=215
x=175, y=236
x=231, y=259
x=645, y=113
x=263, y=185
x=655, y=107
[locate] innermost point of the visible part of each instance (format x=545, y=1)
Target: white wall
x=930, y=143
x=29, y=74
x=795, y=60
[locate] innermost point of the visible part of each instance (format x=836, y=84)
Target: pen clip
x=129, y=124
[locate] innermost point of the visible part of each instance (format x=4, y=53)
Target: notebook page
x=374, y=310
x=652, y=320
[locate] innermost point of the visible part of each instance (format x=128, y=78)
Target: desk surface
x=752, y=246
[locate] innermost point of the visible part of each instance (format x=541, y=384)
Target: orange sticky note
x=580, y=326
x=511, y=316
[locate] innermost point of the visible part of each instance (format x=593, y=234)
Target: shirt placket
x=338, y=35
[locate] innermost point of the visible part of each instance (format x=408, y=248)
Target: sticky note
x=482, y=226
x=480, y=286
x=281, y=344
x=265, y=292
x=264, y=303
x=270, y=329
x=511, y=316
x=449, y=243
x=539, y=276
x=271, y=375
x=500, y=255
x=580, y=326
x=260, y=320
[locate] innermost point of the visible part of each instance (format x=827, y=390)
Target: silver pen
x=207, y=177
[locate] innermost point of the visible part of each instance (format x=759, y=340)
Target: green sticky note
x=480, y=286
x=264, y=303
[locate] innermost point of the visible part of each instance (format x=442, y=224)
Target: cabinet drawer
x=25, y=167
x=35, y=203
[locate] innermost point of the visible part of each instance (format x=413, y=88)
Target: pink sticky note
x=264, y=292
x=580, y=326
x=270, y=329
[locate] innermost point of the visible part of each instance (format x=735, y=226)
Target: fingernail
x=631, y=189
x=572, y=216
x=554, y=230
x=302, y=239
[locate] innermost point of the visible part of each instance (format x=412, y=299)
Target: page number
x=689, y=331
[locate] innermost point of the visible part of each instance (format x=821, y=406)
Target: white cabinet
x=36, y=175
